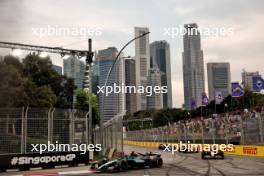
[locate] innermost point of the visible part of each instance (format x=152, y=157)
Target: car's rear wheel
x=159, y=163
x=203, y=156
x=222, y=157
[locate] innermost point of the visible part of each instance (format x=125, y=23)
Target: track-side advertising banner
x=241, y=150
x=248, y=150
x=26, y=161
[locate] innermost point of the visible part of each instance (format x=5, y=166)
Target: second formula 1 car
x=192, y=149
x=212, y=155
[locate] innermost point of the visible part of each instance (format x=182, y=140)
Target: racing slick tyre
x=203, y=155
x=124, y=166
x=159, y=162
x=222, y=157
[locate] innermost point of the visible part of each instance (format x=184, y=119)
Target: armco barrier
x=242, y=150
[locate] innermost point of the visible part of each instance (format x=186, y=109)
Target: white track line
x=75, y=172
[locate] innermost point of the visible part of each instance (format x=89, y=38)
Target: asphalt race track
x=178, y=164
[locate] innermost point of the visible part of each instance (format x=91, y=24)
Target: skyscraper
x=112, y=104
x=95, y=75
x=155, y=100
x=74, y=68
x=247, y=79
x=219, y=79
x=57, y=68
x=130, y=79
x=193, y=66
x=142, y=59
x=160, y=58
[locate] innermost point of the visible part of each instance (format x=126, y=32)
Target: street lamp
x=107, y=77
x=88, y=86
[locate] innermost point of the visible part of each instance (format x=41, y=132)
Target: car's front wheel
x=124, y=166
x=159, y=163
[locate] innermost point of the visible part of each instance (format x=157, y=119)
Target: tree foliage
x=33, y=82
x=82, y=102
x=11, y=85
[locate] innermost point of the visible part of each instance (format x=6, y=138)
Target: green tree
x=40, y=71
x=14, y=61
x=82, y=102
x=33, y=82
x=35, y=96
x=11, y=85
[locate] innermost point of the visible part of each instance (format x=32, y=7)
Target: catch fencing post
x=242, y=135
x=24, y=131
x=202, y=133
x=193, y=133
x=185, y=133
x=71, y=126
x=213, y=131
x=260, y=128
x=50, y=124
x=226, y=135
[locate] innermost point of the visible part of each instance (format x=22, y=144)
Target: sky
x=112, y=22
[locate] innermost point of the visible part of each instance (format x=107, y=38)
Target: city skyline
x=130, y=80
x=218, y=74
x=142, y=61
x=74, y=68
x=193, y=68
x=160, y=58
x=114, y=103
x=243, y=46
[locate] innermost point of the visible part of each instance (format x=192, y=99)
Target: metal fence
x=21, y=127
x=111, y=136
x=222, y=129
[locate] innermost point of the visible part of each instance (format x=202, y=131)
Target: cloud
x=244, y=49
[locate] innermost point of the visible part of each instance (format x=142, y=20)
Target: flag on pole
x=258, y=83
x=237, y=90
x=193, y=103
x=205, y=99
x=218, y=97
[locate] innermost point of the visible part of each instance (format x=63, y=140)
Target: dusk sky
x=116, y=20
